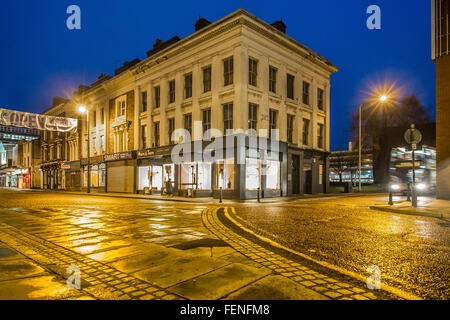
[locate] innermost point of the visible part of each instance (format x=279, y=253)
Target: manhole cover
x=5, y=252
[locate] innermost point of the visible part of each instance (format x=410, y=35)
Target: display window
x=273, y=175
x=150, y=177
x=195, y=175
x=252, y=174
x=225, y=174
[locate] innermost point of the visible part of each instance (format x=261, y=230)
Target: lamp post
x=82, y=109
x=383, y=98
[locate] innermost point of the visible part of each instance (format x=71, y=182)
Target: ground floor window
x=252, y=174
x=273, y=175
x=225, y=174
x=195, y=175
x=150, y=177
x=98, y=175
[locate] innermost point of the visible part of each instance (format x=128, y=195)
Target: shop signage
x=407, y=164
x=119, y=156
x=36, y=121
x=92, y=160
x=65, y=165
x=154, y=152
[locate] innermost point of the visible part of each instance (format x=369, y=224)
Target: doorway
x=295, y=174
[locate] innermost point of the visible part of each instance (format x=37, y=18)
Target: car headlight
x=395, y=187
x=421, y=186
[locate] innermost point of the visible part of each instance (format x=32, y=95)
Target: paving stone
x=332, y=294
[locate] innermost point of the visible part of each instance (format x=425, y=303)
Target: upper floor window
x=206, y=123
x=273, y=79
x=94, y=118
x=207, y=79
x=157, y=97
x=144, y=101
x=188, y=86
x=305, y=96
x=171, y=91
x=320, y=98
x=227, y=117
x=171, y=130
x=252, y=117
x=272, y=122
x=188, y=123
x=290, y=128
x=252, y=72
x=228, y=71
x=290, y=86
x=305, y=134
x=143, y=136
x=121, y=108
x=156, y=134
x=320, y=137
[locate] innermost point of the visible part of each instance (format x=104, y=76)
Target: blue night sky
x=40, y=58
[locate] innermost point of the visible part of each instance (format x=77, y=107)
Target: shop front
x=120, y=172
x=97, y=171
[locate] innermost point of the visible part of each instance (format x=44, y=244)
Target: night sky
x=40, y=58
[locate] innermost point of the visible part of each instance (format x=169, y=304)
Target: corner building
x=235, y=74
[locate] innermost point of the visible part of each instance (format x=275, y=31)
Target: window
x=157, y=97
x=272, y=79
x=102, y=138
x=156, y=134
x=207, y=79
x=102, y=114
x=320, y=135
x=144, y=101
x=121, y=108
x=273, y=175
x=252, y=117
x=94, y=147
x=252, y=72
x=320, y=98
x=272, y=121
x=290, y=86
x=252, y=174
x=225, y=174
x=305, y=131
x=188, y=86
x=228, y=71
x=227, y=117
x=94, y=118
x=206, y=123
x=171, y=91
x=195, y=175
x=290, y=128
x=305, y=93
x=144, y=137
x=188, y=125
x=171, y=130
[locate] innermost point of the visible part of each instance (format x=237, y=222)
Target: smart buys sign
x=36, y=121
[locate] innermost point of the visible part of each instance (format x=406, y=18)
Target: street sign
x=413, y=136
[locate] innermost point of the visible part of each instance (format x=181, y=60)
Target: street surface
x=147, y=249
x=412, y=252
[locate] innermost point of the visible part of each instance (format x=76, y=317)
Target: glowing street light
x=83, y=109
x=383, y=98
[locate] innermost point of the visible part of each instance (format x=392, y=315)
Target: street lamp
x=383, y=98
x=82, y=109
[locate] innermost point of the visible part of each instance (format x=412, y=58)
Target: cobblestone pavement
x=316, y=281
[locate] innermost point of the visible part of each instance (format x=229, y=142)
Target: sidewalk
x=426, y=206
x=209, y=200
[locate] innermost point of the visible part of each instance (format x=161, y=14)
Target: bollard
x=258, y=196
x=220, y=199
x=414, y=198
x=390, y=198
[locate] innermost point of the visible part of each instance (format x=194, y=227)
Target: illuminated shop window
x=150, y=177
x=195, y=175
x=273, y=175
x=225, y=174
x=252, y=173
